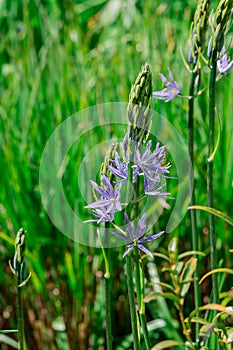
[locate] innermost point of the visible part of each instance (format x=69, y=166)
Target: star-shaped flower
x=137, y=238
x=153, y=187
x=109, y=203
x=150, y=163
x=121, y=169
x=224, y=64
x=171, y=90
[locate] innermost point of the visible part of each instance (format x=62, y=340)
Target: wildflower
x=121, y=169
x=171, y=90
x=137, y=239
x=150, y=163
x=109, y=203
x=103, y=214
x=152, y=188
x=224, y=64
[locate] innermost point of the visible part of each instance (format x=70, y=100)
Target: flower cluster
x=135, y=163
x=150, y=165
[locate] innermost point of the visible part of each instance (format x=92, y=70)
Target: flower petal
x=151, y=238
x=120, y=235
x=145, y=250
x=141, y=227
x=129, y=227
x=128, y=250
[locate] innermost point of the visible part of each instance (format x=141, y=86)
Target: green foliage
x=56, y=58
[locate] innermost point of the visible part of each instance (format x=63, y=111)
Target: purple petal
x=99, y=204
x=99, y=189
x=165, y=94
x=128, y=250
x=145, y=250
x=137, y=158
x=115, y=171
x=129, y=226
x=151, y=238
x=170, y=75
x=120, y=235
x=147, y=152
x=141, y=227
x=107, y=184
x=164, y=79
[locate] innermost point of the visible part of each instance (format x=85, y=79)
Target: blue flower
x=224, y=64
x=152, y=187
x=121, y=169
x=109, y=203
x=150, y=163
x=136, y=238
x=171, y=90
x=102, y=214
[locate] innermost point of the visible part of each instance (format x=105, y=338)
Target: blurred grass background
x=56, y=58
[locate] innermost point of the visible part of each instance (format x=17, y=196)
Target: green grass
x=57, y=58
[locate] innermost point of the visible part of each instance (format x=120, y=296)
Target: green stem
x=20, y=324
x=133, y=313
x=107, y=290
x=195, y=245
x=139, y=276
x=210, y=180
x=108, y=305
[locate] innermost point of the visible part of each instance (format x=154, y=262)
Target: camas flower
x=137, y=238
x=109, y=203
x=171, y=90
x=224, y=64
x=153, y=187
x=121, y=169
x=150, y=163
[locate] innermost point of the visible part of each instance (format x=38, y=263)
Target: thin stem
x=185, y=330
x=197, y=296
x=133, y=313
x=108, y=306
x=210, y=179
x=139, y=276
x=107, y=290
x=20, y=324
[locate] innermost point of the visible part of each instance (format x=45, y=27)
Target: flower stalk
x=195, y=238
x=18, y=268
x=133, y=313
x=210, y=175
x=198, y=38
x=116, y=173
x=139, y=282
x=108, y=315
x=216, y=46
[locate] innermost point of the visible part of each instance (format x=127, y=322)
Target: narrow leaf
x=187, y=275
x=155, y=295
x=215, y=212
x=166, y=344
x=222, y=269
x=191, y=252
